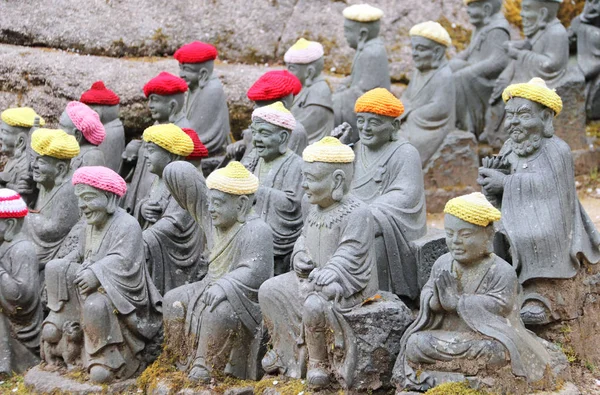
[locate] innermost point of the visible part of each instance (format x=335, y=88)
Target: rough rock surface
x=569, y=125
x=428, y=249
x=46, y=382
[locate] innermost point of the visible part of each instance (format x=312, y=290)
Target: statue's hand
x=491, y=180
x=303, y=265
x=323, y=276
x=236, y=150
x=343, y=133
x=87, y=281
x=25, y=185
x=213, y=295
x=131, y=151
x=151, y=211
x=447, y=288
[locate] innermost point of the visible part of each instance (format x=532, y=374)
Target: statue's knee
x=101, y=374
x=173, y=306
x=313, y=312
x=51, y=334
x=414, y=346
x=55, y=265
x=95, y=306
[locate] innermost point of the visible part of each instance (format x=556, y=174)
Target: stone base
x=428, y=249
x=50, y=382
x=569, y=125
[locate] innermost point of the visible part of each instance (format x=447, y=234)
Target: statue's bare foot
x=535, y=313
x=317, y=376
x=271, y=363
x=199, y=374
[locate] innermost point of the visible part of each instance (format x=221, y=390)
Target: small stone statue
x=475, y=69
x=205, y=103
x=104, y=309
x=430, y=95
x=20, y=308
x=55, y=212
x=532, y=181
x=84, y=123
x=106, y=103
x=388, y=177
x=334, y=271
x=220, y=313
x=199, y=151
x=370, y=65
x=166, y=98
x=279, y=171
x=173, y=241
x=469, y=320
x=544, y=53
x=14, y=138
x=313, y=107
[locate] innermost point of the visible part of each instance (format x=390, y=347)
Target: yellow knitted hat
x=328, y=150
x=234, y=179
x=473, y=208
x=169, y=137
x=432, y=31
x=22, y=117
x=379, y=101
x=537, y=91
x=55, y=143
x=362, y=13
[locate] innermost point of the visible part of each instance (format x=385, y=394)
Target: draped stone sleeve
x=495, y=57
x=370, y=67
x=550, y=62
x=588, y=50
x=434, y=109
x=19, y=279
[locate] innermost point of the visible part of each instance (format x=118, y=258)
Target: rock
x=240, y=391
x=569, y=125
x=567, y=389
x=428, y=249
x=586, y=160
x=43, y=381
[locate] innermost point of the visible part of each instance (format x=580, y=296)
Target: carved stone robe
x=16, y=168
x=114, y=144
x=89, y=155
x=313, y=108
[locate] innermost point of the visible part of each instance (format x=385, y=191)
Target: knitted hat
x=200, y=151
x=99, y=94
x=55, y=143
x=234, y=179
x=11, y=204
x=165, y=84
x=304, y=52
x=274, y=85
x=432, y=31
x=87, y=121
x=22, y=117
x=169, y=137
x=328, y=150
x=276, y=114
x=195, y=52
x=362, y=13
x=473, y=208
x=379, y=101
x=100, y=177
x=537, y=91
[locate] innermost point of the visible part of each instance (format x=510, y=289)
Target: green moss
x=460, y=35
x=454, y=389
x=568, y=10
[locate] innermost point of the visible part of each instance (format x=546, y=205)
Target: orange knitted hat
x=379, y=101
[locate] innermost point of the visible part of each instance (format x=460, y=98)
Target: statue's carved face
x=318, y=183
x=158, y=158
x=468, y=243
x=223, y=208
x=591, y=10
x=160, y=107
x=532, y=18
x=352, y=32
x=93, y=204
x=524, y=124
x=190, y=73
x=426, y=53
x=299, y=70
x=374, y=130
x=477, y=13
x=9, y=137
x=269, y=140
x=46, y=169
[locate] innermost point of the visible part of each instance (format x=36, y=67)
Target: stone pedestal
x=61, y=382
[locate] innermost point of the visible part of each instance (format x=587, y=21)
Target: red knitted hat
x=274, y=85
x=195, y=52
x=200, y=151
x=165, y=84
x=99, y=94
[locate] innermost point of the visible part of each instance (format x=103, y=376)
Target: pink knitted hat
x=11, y=204
x=276, y=114
x=100, y=177
x=303, y=52
x=87, y=121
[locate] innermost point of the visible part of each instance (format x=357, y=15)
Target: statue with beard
x=532, y=181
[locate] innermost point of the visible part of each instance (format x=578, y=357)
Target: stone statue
x=475, y=69
x=55, y=212
x=370, y=65
x=166, y=98
x=106, y=103
x=532, y=181
x=84, y=123
x=14, y=138
x=468, y=320
x=20, y=308
x=218, y=319
x=313, y=107
x=388, y=177
x=205, y=103
x=199, y=152
x=544, y=53
x=334, y=271
x=173, y=241
x=279, y=171
x=430, y=95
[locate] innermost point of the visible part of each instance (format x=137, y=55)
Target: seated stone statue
x=313, y=106
x=544, y=53
x=20, y=308
x=104, y=309
x=199, y=152
x=279, y=172
x=14, y=138
x=55, y=211
x=533, y=182
x=106, y=103
x=166, y=98
x=429, y=98
x=469, y=310
x=476, y=68
x=370, y=65
x=217, y=321
x=205, y=103
x=84, y=123
x=334, y=271
x=173, y=241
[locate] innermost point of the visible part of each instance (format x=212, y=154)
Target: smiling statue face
x=374, y=130
x=45, y=169
x=190, y=73
x=476, y=13
x=524, y=125
x=425, y=53
x=158, y=158
x=9, y=137
x=468, y=243
x=223, y=208
x=299, y=70
x=269, y=140
x=591, y=10
x=93, y=204
x=531, y=17
x=318, y=183
x=160, y=107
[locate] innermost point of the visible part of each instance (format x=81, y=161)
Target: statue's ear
x=203, y=77
x=396, y=123
x=284, y=138
x=543, y=16
x=243, y=207
x=310, y=75
x=113, y=203
x=547, y=116
x=62, y=168
x=172, y=106
x=12, y=229
x=488, y=10
x=363, y=36
x=21, y=143
x=339, y=178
